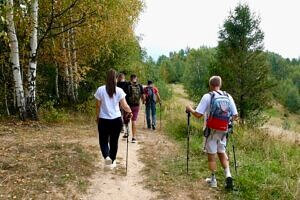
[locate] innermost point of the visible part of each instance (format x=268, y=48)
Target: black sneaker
x=125, y=136
x=133, y=140
x=153, y=127
x=229, y=183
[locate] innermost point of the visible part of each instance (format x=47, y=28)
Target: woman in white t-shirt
x=109, y=120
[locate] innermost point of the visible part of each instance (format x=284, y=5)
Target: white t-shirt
x=204, y=105
x=109, y=106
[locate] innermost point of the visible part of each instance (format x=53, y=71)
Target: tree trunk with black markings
x=31, y=96
x=15, y=61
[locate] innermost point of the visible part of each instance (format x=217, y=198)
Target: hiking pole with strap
x=188, y=142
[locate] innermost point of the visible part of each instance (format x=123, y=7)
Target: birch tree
x=15, y=61
x=31, y=96
x=74, y=63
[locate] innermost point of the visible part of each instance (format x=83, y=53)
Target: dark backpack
x=220, y=112
x=135, y=94
x=150, y=96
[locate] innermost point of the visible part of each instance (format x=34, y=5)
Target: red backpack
x=220, y=112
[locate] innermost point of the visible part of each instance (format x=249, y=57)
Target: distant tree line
x=253, y=76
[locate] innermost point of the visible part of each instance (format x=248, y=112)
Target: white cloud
x=168, y=25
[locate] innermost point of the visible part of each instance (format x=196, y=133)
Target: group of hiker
x=119, y=97
x=118, y=101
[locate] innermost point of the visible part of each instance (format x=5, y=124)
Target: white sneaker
x=212, y=182
x=108, y=161
x=113, y=165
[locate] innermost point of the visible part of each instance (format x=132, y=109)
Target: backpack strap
x=225, y=94
x=129, y=89
x=212, y=96
x=219, y=93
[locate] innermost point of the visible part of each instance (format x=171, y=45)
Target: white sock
x=213, y=176
x=227, y=172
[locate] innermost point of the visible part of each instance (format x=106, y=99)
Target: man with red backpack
x=218, y=109
x=151, y=98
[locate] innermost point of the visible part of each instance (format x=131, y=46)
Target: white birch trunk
x=66, y=70
x=74, y=63
x=31, y=96
x=56, y=82
x=71, y=74
x=14, y=58
x=5, y=91
x=56, y=70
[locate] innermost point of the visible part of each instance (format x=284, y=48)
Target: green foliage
x=164, y=90
x=51, y=114
x=87, y=107
x=173, y=67
x=197, y=71
x=242, y=64
x=268, y=169
x=287, y=93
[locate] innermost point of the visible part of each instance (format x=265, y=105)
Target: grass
x=281, y=117
x=39, y=160
x=268, y=168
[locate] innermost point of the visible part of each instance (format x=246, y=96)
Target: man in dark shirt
x=122, y=83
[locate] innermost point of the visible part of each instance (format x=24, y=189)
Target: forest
x=55, y=54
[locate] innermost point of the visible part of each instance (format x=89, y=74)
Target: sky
x=171, y=25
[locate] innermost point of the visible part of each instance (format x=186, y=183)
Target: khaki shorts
x=216, y=142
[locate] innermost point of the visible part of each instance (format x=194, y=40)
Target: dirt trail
x=114, y=184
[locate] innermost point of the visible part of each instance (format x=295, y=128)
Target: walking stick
x=127, y=129
x=234, y=158
x=230, y=132
x=126, y=118
x=160, y=116
x=188, y=142
x=145, y=116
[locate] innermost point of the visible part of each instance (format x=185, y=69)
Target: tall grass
x=267, y=168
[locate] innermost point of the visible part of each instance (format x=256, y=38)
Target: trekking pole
x=234, y=158
x=127, y=129
x=145, y=116
x=160, y=116
x=188, y=142
x=233, y=151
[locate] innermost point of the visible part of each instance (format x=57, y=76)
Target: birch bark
x=15, y=61
x=31, y=96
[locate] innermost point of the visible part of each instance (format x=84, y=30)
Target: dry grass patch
x=40, y=161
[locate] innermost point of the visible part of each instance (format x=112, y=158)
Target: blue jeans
x=151, y=109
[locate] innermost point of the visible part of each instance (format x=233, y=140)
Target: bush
x=164, y=90
x=292, y=100
x=51, y=114
x=87, y=107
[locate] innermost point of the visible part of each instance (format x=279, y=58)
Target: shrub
x=51, y=114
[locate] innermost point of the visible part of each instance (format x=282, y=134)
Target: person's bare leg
x=212, y=181
x=133, y=129
x=225, y=163
x=212, y=162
